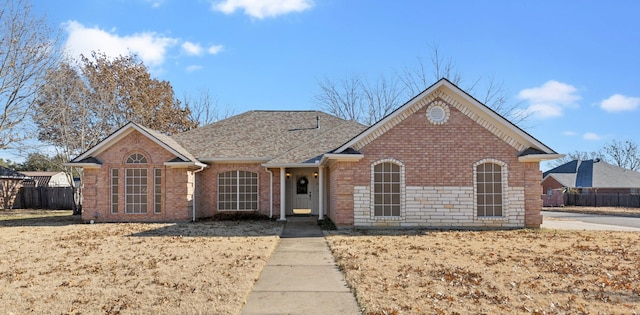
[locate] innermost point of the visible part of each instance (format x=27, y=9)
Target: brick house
x=441, y=160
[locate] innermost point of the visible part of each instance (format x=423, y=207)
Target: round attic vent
x=438, y=113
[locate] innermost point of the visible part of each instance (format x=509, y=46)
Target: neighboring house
x=441, y=160
x=10, y=183
x=591, y=176
x=46, y=179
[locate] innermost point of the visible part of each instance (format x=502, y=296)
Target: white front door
x=303, y=195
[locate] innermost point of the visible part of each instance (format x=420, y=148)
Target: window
x=157, y=190
x=114, y=190
x=136, y=158
x=386, y=187
x=136, y=190
x=489, y=189
x=238, y=190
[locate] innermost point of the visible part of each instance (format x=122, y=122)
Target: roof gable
x=594, y=173
x=162, y=140
x=466, y=104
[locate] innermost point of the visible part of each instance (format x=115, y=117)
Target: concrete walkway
x=301, y=276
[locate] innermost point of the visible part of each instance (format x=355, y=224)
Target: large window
x=238, y=190
x=489, y=190
x=386, y=189
x=135, y=189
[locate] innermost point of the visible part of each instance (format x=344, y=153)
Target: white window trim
x=372, y=189
x=126, y=193
x=117, y=203
x=155, y=192
x=505, y=191
x=238, y=191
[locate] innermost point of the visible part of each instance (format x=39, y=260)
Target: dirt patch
x=631, y=212
x=69, y=268
x=492, y=272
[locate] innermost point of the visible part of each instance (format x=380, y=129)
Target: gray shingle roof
x=594, y=173
x=169, y=142
x=279, y=136
x=7, y=173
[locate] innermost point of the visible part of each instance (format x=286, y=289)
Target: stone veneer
x=440, y=207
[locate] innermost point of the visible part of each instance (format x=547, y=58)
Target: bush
x=238, y=216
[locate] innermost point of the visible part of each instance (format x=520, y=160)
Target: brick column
x=532, y=195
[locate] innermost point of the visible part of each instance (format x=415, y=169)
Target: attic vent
x=438, y=113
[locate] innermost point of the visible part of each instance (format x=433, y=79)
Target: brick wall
x=439, y=163
x=176, y=200
x=207, y=186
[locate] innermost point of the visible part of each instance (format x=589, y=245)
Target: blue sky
x=574, y=65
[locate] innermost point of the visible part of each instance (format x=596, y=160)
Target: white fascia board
x=291, y=165
x=341, y=157
x=185, y=164
x=83, y=165
x=234, y=160
x=539, y=157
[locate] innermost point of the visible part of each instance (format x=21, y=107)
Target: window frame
x=481, y=194
x=396, y=199
x=233, y=188
x=157, y=190
x=136, y=202
x=114, y=193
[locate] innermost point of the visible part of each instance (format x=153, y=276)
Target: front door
x=303, y=196
x=302, y=190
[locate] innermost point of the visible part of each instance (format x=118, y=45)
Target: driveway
x=583, y=221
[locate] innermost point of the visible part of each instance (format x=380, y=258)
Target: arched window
x=238, y=190
x=387, y=189
x=136, y=158
x=490, y=178
x=136, y=185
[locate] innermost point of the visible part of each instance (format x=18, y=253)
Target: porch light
x=315, y=174
x=288, y=174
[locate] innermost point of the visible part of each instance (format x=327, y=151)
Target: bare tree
x=343, y=98
x=28, y=47
x=205, y=108
x=381, y=98
x=623, y=153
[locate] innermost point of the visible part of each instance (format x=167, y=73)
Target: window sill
x=385, y=218
x=502, y=218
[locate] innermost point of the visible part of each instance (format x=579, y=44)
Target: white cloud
x=550, y=99
x=570, y=133
x=192, y=48
x=261, y=9
x=155, y=3
x=214, y=49
x=619, y=103
x=149, y=46
x=193, y=68
x=591, y=136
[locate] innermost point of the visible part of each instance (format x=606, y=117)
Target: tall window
x=136, y=185
x=238, y=190
x=114, y=190
x=386, y=189
x=157, y=190
x=489, y=189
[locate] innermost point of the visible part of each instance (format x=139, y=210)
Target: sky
x=574, y=66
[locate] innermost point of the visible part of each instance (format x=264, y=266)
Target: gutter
x=193, y=200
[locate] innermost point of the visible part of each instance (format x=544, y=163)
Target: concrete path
x=301, y=276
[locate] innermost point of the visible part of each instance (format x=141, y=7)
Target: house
x=441, y=160
x=591, y=176
x=10, y=183
x=46, y=179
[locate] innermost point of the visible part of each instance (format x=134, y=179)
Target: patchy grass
x=70, y=268
x=491, y=272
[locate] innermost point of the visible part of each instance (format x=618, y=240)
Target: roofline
x=337, y=157
x=539, y=157
x=185, y=164
x=212, y=160
x=122, y=132
x=464, y=95
x=291, y=165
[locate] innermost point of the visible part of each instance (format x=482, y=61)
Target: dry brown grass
x=53, y=265
x=492, y=272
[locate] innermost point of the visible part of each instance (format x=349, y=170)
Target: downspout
x=270, y=193
x=193, y=207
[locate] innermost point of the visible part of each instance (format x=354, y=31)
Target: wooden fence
x=55, y=198
x=602, y=200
